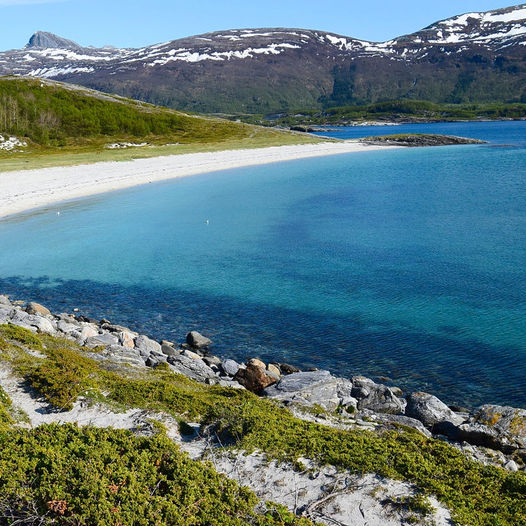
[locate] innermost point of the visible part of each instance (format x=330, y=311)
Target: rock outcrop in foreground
x=490, y=434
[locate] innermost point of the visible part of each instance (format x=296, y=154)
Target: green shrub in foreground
x=477, y=495
x=89, y=476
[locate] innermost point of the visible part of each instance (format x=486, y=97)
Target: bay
x=408, y=264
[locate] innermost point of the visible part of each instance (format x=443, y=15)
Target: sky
x=132, y=23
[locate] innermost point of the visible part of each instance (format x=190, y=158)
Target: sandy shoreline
x=30, y=189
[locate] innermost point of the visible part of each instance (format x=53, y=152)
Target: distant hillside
x=52, y=114
x=474, y=57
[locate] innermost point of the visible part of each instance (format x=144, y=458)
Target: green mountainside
x=52, y=117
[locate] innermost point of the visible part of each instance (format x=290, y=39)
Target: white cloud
x=27, y=2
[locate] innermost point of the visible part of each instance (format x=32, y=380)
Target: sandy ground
x=29, y=189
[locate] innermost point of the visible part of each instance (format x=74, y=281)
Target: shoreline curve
x=26, y=190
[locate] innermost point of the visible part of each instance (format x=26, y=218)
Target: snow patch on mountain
x=189, y=56
x=56, y=71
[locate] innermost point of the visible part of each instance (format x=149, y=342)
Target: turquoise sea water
x=408, y=264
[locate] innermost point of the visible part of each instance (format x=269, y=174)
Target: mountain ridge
x=473, y=57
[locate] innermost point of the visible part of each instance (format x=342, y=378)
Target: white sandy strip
x=29, y=189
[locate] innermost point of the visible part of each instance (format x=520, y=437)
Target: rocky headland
x=492, y=435
x=419, y=139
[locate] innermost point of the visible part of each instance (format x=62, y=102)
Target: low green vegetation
x=392, y=111
x=477, y=495
x=57, y=120
x=61, y=474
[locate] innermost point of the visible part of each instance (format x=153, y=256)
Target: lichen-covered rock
x=430, y=410
x=192, y=355
x=36, y=308
x=500, y=427
x=126, y=339
x=313, y=388
x=274, y=369
x=376, y=397
x=255, y=378
x=197, y=340
x=256, y=361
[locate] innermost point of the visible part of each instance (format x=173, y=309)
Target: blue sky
x=134, y=23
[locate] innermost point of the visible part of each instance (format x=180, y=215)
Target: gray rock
x=228, y=382
x=101, y=339
x=36, y=308
x=511, y=465
x=6, y=313
x=192, y=355
x=430, y=410
x=31, y=322
x=376, y=397
x=313, y=388
x=197, y=340
x=86, y=332
x=147, y=345
x=195, y=369
x=398, y=420
x=4, y=300
x=120, y=354
x=42, y=324
x=212, y=361
x=286, y=368
x=168, y=350
x=66, y=327
x=230, y=367
x=155, y=359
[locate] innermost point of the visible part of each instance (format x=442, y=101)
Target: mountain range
x=474, y=57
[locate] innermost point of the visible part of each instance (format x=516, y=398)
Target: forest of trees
x=50, y=114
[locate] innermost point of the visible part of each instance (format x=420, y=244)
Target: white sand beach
x=29, y=189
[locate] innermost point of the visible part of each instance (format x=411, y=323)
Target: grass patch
x=477, y=495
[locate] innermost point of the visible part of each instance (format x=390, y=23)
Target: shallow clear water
x=407, y=263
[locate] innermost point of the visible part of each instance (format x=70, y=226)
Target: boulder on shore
x=36, y=308
x=255, y=378
x=430, y=410
x=197, y=340
x=376, y=397
x=313, y=388
x=498, y=427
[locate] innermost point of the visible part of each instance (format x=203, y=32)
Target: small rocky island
x=419, y=139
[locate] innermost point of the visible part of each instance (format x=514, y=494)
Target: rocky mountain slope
x=472, y=57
